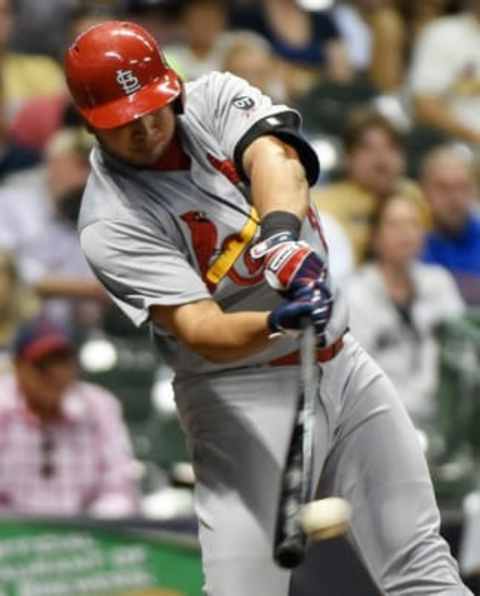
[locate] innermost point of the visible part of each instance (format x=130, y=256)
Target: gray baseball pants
x=238, y=425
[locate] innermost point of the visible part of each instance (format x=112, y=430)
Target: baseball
x=325, y=518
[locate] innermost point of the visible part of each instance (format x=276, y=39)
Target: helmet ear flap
x=179, y=103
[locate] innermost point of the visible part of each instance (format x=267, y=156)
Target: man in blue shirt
x=454, y=241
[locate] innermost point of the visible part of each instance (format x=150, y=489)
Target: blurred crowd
x=389, y=91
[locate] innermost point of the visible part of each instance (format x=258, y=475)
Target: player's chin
x=141, y=159
x=144, y=157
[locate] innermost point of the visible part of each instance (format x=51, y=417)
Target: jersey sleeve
x=139, y=268
x=240, y=113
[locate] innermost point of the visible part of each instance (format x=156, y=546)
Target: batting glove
x=290, y=315
x=322, y=306
x=289, y=265
x=311, y=304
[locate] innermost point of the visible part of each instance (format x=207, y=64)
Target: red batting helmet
x=116, y=73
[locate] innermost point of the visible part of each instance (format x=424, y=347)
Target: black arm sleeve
x=284, y=126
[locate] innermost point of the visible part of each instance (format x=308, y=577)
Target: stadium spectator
x=356, y=34
x=40, y=26
x=27, y=128
x=203, y=24
x=445, y=75
x=24, y=76
x=448, y=182
x=308, y=43
x=417, y=15
x=65, y=449
x=17, y=304
x=28, y=200
x=396, y=304
x=15, y=155
x=374, y=170
x=298, y=36
x=32, y=132
x=39, y=224
x=249, y=56
x=85, y=15
x=375, y=37
x=160, y=17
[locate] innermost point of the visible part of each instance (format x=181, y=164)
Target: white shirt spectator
x=26, y=210
x=43, y=244
x=406, y=349
x=446, y=63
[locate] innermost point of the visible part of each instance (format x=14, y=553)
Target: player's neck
x=174, y=157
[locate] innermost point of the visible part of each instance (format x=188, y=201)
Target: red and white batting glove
x=289, y=265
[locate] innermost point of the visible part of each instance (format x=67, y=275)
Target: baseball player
x=197, y=219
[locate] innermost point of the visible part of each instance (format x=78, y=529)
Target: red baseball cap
x=39, y=339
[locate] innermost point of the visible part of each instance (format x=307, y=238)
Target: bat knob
x=291, y=552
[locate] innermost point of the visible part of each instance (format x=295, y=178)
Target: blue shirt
x=460, y=254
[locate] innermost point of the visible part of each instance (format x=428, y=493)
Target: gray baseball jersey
x=171, y=238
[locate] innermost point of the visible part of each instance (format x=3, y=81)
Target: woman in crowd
x=308, y=44
x=397, y=303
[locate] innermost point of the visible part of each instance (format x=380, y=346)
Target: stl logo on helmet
x=128, y=81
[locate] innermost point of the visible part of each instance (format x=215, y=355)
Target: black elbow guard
x=284, y=126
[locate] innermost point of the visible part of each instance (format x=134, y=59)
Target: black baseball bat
x=296, y=485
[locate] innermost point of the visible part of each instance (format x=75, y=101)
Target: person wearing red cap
x=197, y=219
x=64, y=446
